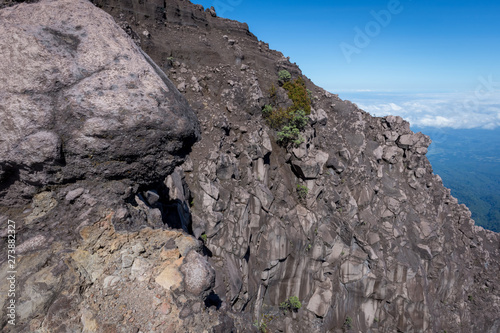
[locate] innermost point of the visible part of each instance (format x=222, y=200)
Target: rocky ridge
x=377, y=244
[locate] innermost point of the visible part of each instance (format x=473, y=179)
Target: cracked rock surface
x=79, y=100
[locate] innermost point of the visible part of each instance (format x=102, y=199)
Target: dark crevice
x=175, y=214
x=247, y=255
x=206, y=251
x=267, y=158
x=213, y=300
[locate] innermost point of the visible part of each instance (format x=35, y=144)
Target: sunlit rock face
x=79, y=100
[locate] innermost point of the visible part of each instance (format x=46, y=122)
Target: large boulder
x=199, y=275
x=79, y=100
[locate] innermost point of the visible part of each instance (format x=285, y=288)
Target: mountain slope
x=375, y=243
x=378, y=236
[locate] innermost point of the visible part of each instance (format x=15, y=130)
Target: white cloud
x=395, y=107
x=455, y=110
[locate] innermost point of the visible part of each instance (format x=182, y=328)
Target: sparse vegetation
x=284, y=75
x=299, y=119
x=310, y=94
x=302, y=191
x=278, y=118
x=290, y=134
x=267, y=110
x=204, y=237
x=297, y=92
x=348, y=323
x=291, y=304
x=262, y=326
x=291, y=121
x=272, y=92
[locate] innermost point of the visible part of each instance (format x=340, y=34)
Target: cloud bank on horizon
x=453, y=110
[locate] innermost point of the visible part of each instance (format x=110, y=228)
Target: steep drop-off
x=375, y=243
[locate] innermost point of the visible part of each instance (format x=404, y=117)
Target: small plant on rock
x=278, y=118
x=273, y=93
x=289, y=134
x=204, y=237
x=299, y=119
x=284, y=75
x=267, y=111
x=348, y=323
x=302, y=191
x=310, y=94
x=262, y=326
x=291, y=304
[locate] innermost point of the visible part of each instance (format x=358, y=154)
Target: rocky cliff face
x=116, y=234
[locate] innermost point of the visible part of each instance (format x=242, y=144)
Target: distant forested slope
x=468, y=161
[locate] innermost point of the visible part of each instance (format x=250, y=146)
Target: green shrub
x=291, y=121
x=295, y=122
x=262, y=326
x=348, y=322
x=284, y=75
x=267, y=111
x=299, y=119
x=294, y=303
x=204, y=237
x=302, y=191
x=278, y=118
x=310, y=94
x=297, y=92
x=273, y=93
x=291, y=304
x=290, y=134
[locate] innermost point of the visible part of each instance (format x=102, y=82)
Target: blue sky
x=415, y=46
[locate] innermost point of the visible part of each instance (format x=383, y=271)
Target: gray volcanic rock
x=91, y=133
x=79, y=100
x=377, y=245
x=199, y=276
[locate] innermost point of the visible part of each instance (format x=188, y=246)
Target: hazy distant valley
x=468, y=162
